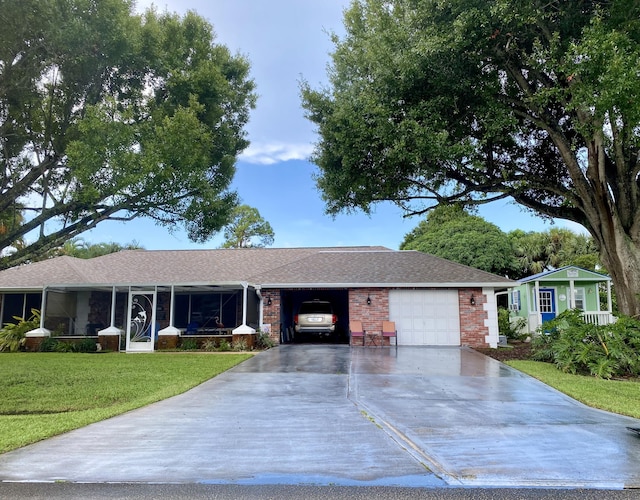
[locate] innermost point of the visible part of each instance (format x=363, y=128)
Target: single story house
x=543, y=296
x=156, y=298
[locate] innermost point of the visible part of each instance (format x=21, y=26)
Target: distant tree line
x=452, y=232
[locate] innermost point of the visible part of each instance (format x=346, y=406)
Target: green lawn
x=45, y=394
x=617, y=396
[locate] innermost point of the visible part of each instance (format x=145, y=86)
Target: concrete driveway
x=325, y=414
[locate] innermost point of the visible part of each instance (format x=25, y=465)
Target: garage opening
x=291, y=300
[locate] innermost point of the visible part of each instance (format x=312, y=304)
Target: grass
x=617, y=396
x=46, y=394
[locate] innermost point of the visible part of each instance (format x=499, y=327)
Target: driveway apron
x=327, y=414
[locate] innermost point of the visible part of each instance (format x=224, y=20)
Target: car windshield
x=315, y=307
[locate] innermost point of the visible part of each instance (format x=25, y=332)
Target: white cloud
x=275, y=152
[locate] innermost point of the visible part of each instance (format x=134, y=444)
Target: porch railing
x=598, y=317
x=591, y=317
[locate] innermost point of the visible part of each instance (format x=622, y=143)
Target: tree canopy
x=247, y=229
x=433, y=102
x=110, y=115
x=452, y=233
x=558, y=247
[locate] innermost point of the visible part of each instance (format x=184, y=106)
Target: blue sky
x=286, y=41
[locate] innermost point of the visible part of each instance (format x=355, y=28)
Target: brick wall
x=271, y=314
x=473, y=331
x=372, y=315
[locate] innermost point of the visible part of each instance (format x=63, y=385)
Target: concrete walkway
x=319, y=414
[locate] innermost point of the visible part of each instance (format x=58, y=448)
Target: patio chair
x=356, y=330
x=389, y=330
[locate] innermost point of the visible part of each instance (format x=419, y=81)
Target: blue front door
x=547, y=301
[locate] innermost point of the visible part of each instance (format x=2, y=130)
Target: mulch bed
x=515, y=350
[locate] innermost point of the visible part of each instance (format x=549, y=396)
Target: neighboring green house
x=559, y=290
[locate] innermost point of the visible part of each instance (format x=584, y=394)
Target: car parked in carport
x=315, y=317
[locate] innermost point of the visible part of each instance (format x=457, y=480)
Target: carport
x=290, y=301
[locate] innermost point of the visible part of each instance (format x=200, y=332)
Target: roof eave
x=505, y=284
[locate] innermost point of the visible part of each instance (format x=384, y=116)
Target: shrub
x=63, y=347
x=240, y=345
x=605, y=351
x=224, y=345
x=210, y=345
x=13, y=335
x=506, y=326
x=263, y=341
x=189, y=345
x=86, y=345
x=48, y=344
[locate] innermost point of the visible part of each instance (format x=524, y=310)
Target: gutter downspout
x=261, y=309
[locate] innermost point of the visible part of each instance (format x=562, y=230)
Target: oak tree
x=452, y=233
x=106, y=114
x=433, y=102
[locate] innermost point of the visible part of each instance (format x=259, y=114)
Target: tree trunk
x=621, y=257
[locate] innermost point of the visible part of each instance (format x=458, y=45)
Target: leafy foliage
x=189, y=345
x=536, y=252
x=263, y=341
x=457, y=234
x=79, y=248
x=13, y=335
x=579, y=348
x=511, y=327
x=435, y=102
x=452, y=233
x=247, y=229
x=110, y=115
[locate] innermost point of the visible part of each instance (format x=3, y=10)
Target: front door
x=547, y=304
x=142, y=318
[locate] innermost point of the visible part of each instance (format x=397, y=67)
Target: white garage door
x=425, y=317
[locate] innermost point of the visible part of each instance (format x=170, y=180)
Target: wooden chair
x=356, y=330
x=389, y=330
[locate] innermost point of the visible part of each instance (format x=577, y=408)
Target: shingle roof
x=375, y=268
x=261, y=266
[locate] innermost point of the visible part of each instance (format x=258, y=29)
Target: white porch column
x=572, y=295
x=537, y=302
x=111, y=329
x=609, y=303
x=41, y=331
x=170, y=330
x=244, y=328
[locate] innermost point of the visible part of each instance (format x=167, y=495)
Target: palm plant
x=13, y=335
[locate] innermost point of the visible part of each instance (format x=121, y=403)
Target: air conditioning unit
x=514, y=308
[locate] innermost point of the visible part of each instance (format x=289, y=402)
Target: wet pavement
x=335, y=415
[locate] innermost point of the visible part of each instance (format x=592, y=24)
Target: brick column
x=473, y=329
x=371, y=314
